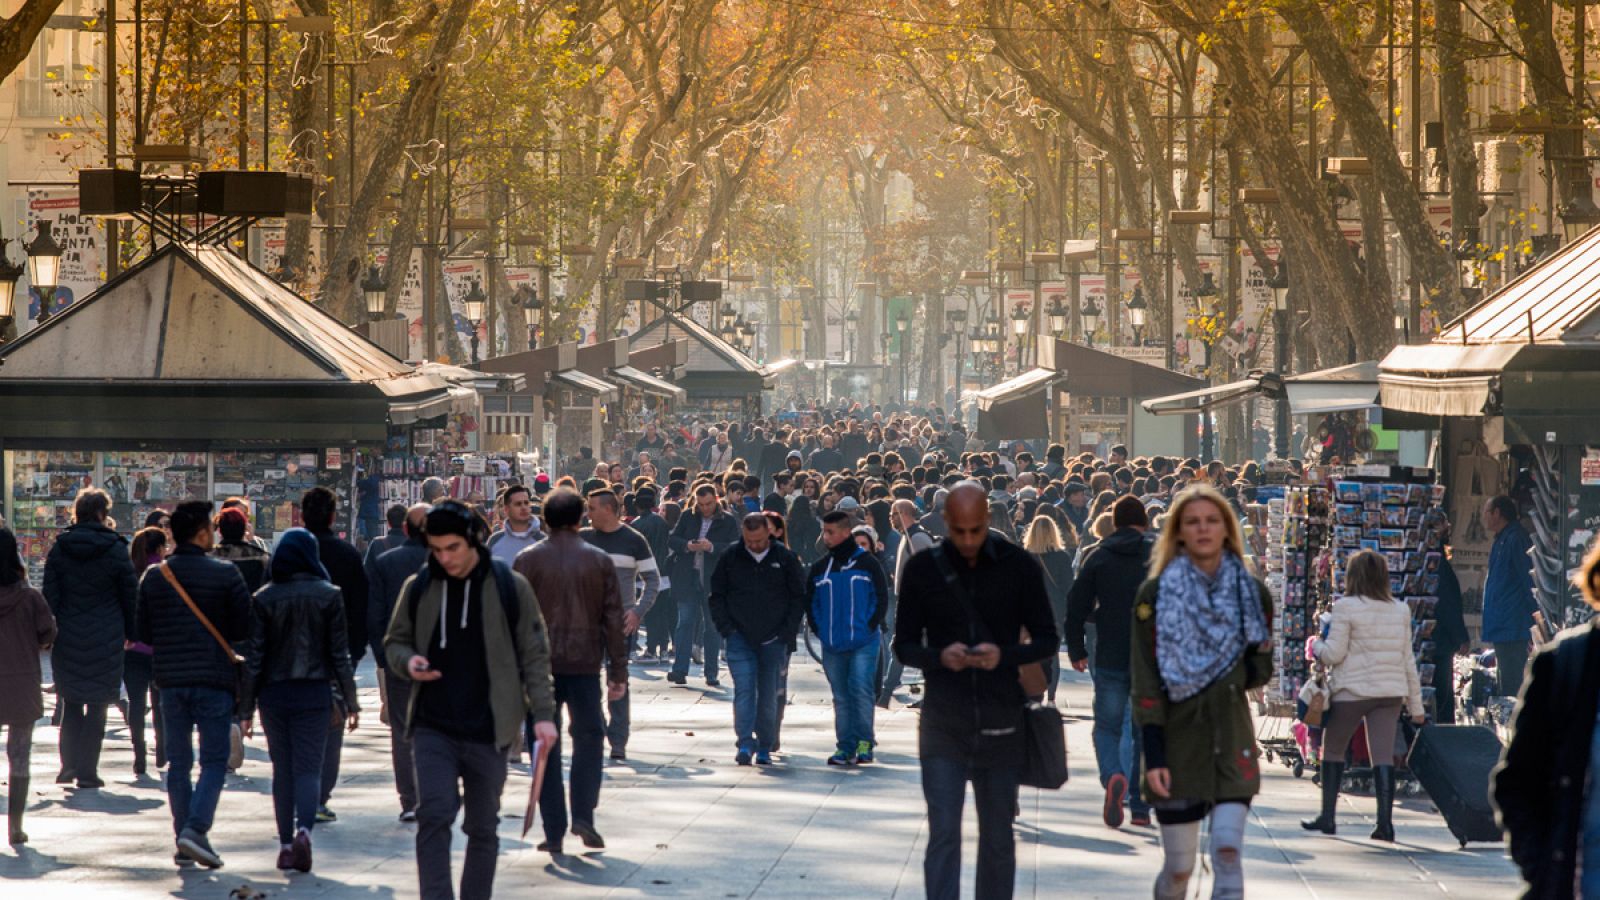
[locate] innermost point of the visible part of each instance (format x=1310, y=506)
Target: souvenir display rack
x=43, y=485
x=1301, y=520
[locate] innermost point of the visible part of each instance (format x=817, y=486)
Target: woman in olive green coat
x=1201, y=639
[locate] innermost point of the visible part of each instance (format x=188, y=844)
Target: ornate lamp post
x=44, y=267
x=533, y=305
x=1091, y=321
x=473, y=304
x=10, y=274
x=1138, y=309
x=376, y=292
x=1280, y=312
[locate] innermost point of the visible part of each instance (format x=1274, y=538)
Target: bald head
x=966, y=519
x=416, y=519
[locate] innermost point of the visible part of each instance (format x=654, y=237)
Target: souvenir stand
x=193, y=375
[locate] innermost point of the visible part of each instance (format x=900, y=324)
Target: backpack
x=503, y=584
x=843, y=602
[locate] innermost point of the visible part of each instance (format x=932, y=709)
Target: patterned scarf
x=1203, y=625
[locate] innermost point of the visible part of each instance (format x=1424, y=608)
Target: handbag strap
x=227, y=648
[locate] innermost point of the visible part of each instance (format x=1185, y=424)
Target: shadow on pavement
x=29, y=863
x=103, y=801
x=597, y=867
x=201, y=884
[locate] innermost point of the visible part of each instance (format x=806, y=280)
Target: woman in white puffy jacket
x=1374, y=674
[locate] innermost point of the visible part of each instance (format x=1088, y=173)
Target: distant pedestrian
x=26, y=630
x=963, y=607
x=639, y=580
x=395, y=518
x=468, y=633
x=849, y=601
x=234, y=546
x=1508, y=604
x=296, y=652
x=520, y=530
x=703, y=532
x=138, y=668
x=758, y=597
x=1201, y=641
x=386, y=575
x=1043, y=539
x=581, y=599
x=318, y=508
x=88, y=582
x=193, y=610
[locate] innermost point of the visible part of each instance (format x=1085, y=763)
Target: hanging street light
x=376, y=292
x=44, y=267
x=1580, y=215
x=10, y=274
x=1057, y=314
x=729, y=315
x=472, y=304
x=1138, y=309
x=1019, y=321
x=532, y=304
x=1091, y=321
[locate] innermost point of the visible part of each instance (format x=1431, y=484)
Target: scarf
x=1203, y=628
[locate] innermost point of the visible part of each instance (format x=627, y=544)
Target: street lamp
x=44, y=267
x=902, y=328
x=472, y=304
x=1091, y=321
x=1057, y=314
x=1137, y=310
x=533, y=305
x=747, y=333
x=376, y=292
x=1279, y=284
x=1019, y=321
x=1580, y=215
x=10, y=274
x=729, y=315
x=1466, y=254
x=852, y=318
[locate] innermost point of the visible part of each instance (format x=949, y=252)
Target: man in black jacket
x=195, y=671
x=962, y=608
x=386, y=575
x=758, y=594
x=699, y=538
x=343, y=562
x=1104, y=588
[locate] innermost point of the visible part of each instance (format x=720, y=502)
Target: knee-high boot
x=1383, y=787
x=1332, y=772
x=16, y=802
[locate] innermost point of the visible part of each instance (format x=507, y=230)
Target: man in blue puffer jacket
x=849, y=600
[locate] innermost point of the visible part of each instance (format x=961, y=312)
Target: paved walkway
x=681, y=820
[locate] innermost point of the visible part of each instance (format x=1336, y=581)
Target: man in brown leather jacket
x=580, y=597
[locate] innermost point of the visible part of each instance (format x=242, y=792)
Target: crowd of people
x=897, y=541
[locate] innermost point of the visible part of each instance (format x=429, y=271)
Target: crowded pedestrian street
x=684, y=821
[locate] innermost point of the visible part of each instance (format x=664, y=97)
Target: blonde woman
x=1368, y=647
x=1201, y=639
x=1043, y=540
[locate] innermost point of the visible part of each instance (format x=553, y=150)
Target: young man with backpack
x=849, y=600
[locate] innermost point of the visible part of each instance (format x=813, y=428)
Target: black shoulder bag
x=1044, y=735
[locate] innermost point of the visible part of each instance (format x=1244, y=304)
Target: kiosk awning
x=1016, y=408
x=1191, y=402
x=648, y=383
x=1012, y=389
x=585, y=382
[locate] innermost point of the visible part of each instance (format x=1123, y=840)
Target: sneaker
x=300, y=850
x=591, y=838
x=763, y=758
x=742, y=758
x=713, y=683
x=194, y=845
x=547, y=847
x=326, y=815
x=864, y=752
x=1116, y=793
x=184, y=862
x=408, y=816
x=842, y=758
x=675, y=678
x=285, y=859
x=92, y=783
x=1139, y=820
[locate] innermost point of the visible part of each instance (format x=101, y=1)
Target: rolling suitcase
x=1453, y=763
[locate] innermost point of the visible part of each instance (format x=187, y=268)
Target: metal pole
x=1282, y=426
x=244, y=85
x=112, y=256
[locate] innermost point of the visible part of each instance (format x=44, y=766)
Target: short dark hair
x=396, y=515
x=508, y=490
x=563, y=509
x=836, y=517
x=91, y=505
x=1128, y=512
x=752, y=483
x=317, y=508
x=1504, y=507
x=645, y=498
x=784, y=477
x=189, y=518
x=608, y=497
x=705, y=488
x=752, y=521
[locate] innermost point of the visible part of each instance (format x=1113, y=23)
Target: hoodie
x=1105, y=588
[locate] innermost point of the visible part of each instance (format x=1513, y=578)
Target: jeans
x=660, y=622
x=755, y=671
x=852, y=675
x=210, y=711
x=619, y=717
x=944, y=787
x=581, y=695
x=694, y=620
x=83, y=730
x=451, y=774
x=1112, y=714
x=137, y=678
x=295, y=714
x=332, y=748
x=893, y=670
x=405, y=771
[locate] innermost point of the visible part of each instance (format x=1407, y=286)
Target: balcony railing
x=41, y=98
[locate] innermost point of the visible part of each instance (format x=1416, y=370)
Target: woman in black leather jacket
x=296, y=652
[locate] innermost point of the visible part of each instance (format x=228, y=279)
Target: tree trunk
x=1465, y=206
x=19, y=31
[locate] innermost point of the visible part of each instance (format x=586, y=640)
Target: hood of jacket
x=297, y=554
x=1125, y=542
x=11, y=597
x=85, y=542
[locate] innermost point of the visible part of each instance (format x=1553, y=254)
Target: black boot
x=16, y=802
x=1331, y=773
x=1383, y=788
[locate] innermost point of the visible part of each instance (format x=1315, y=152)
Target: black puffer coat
x=89, y=584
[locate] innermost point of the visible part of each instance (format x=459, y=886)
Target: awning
x=1461, y=395
x=650, y=384
x=403, y=412
x=1016, y=408
x=1339, y=389
x=782, y=365
x=1192, y=402
x=1016, y=388
x=585, y=382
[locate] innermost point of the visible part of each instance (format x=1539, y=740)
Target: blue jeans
x=755, y=691
x=694, y=622
x=184, y=710
x=1113, y=716
x=852, y=674
x=944, y=787
x=583, y=696
x=295, y=716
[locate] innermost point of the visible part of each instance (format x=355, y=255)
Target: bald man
x=962, y=609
